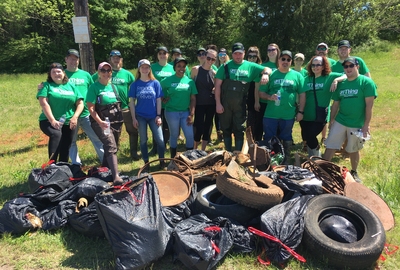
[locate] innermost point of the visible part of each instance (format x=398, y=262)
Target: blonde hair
x=151, y=76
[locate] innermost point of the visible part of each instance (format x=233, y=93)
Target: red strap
x=272, y=238
x=265, y=262
x=215, y=247
x=344, y=172
x=124, y=187
x=212, y=228
x=77, y=178
x=45, y=165
x=390, y=249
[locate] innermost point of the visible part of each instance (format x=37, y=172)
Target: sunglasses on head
x=103, y=70
x=321, y=49
x=202, y=54
x=251, y=56
x=283, y=59
x=271, y=50
x=162, y=53
x=316, y=65
x=222, y=54
x=348, y=66
x=211, y=59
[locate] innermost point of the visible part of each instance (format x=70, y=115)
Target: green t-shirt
x=101, y=94
x=82, y=81
x=270, y=64
x=161, y=72
x=303, y=72
x=122, y=80
x=246, y=71
x=363, y=69
x=351, y=95
x=290, y=84
x=322, y=91
x=178, y=91
x=62, y=99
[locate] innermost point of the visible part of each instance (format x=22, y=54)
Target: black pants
x=310, y=131
x=203, y=119
x=110, y=142
x=59, y=141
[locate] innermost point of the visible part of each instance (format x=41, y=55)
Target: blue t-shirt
x=146, y=94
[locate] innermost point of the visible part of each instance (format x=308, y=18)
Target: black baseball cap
x=115, y=53
x=286, y=52
x=237, y=47
x=345, y=43
x=73, y=52
x=162, y=48
x=179, y=59
x=176, y=50
x=352, y=60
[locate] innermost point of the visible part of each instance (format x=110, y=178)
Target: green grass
x=23, y=147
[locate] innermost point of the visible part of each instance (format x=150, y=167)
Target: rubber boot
x=287, y=145
x=153, y=150
x=113, y=164
x=173, y=152
x=313, y=152
x=228, y=143
x=133, y=142
x=238, y=145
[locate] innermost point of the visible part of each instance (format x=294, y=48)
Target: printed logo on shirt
x=115, y=80
x=63, y=92
x=180, y=85
x=162, y=73
x=108, y=94
x=318, y=86
x=284, y=82
x=145, y=92
x=77, y=81
x=349, y=93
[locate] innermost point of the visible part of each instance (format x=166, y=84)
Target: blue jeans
x=157, y=135
x=84, y=123
x=177, y=120
x=270, y=126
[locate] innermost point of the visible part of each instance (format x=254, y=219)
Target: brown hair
x=278, y=52
x=59, y=66
x=254, y=49
x=326, y=68
x=151, y=76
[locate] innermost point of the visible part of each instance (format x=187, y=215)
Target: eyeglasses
x=103, y=70
x=348, y=66
x=251, y=56
x=162, y=53
x=321, y=49
x=222, y=54
x=202, y=54
x=271, y=50
x=211, y=59
x=316, y=65
x=283, y=59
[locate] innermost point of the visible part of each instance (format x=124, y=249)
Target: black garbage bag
x=243, y=240
x=57, y=216
x=200, y=243
x=194, y=154
x=132, y=220
x=76, y=170
x=50, y=175
x=339, y=229
x=86, y=221
x=285, y=222
x=42, y=198
x=102, y=173
x=13, y=216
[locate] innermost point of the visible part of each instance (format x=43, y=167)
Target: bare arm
x=158, y=119
x=334, y=111
x=47, y=111
x=192, y=107
x=133, y=112
x=219, y=107
x=369, y=102
x=73, y=122
x=95, y=116
x=336, y=81
x=302, y=102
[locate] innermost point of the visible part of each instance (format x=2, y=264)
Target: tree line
x=34, y=33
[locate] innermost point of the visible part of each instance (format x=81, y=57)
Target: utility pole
x=86, y=52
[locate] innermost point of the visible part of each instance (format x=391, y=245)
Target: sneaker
x=355, y=176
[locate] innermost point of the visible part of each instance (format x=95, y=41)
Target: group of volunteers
x=169, y=98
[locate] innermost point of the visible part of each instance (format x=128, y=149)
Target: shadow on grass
x=22, y=150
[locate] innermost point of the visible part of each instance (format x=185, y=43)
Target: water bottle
x=107, y=130
x=360, y=135
x=276, y=159
x=278, y=100
x=62, y=120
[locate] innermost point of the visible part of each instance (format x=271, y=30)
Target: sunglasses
x=162, y=53
x=222, y=54
x=251, y=56
x=316, y=65
x=348, y=66
x=202, y=54
x=321, y=49
x=211, y=59
x=283, y=59
x=271, y=50
x=103, y=70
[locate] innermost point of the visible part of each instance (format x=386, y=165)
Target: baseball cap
x=179, y=59
x=162, y=48
x=176, y=50
x=143, y=62
x=352, y=60
x=115, y=53
x=102, y=64
x=238, y=47
x=201, y=49
x=322, y=44
x=345, y=43
x=299, y=55
x=73, y=52
x=286, y=52
x=222, y=50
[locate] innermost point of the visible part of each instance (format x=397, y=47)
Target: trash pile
x=206, y=205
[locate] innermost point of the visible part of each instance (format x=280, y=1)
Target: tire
x=261, y=197
x=370, y=239
x=213, y=204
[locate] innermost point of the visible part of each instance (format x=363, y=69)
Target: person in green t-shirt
x=323, y=50
x=176, y=52
x=180, y=102
x=319, y=86
x=232, y=82
x=82, y=81
x=351, y=112
x=61, y=106
x=282, y=91
x=298, y=64
x=271, y=60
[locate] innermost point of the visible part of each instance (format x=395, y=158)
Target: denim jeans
x=177, y=120
x=84, y=123
x=271, y=125
x=157, y=135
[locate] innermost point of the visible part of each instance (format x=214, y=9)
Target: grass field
x=24, y=147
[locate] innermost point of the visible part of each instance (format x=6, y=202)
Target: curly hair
x=326, y=68
x=59, y=66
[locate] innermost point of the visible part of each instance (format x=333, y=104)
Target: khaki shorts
x=338, y=134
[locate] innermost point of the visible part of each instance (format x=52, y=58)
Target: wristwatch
x=302, y=112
